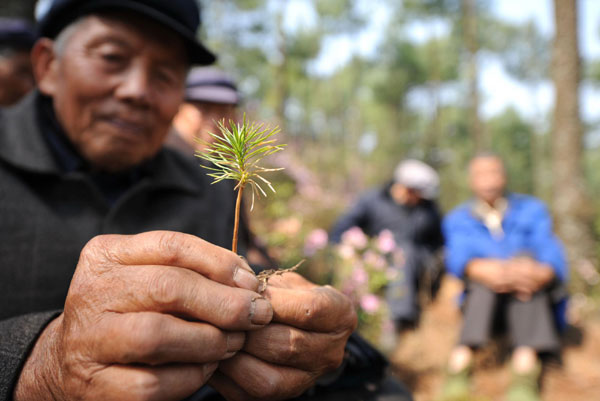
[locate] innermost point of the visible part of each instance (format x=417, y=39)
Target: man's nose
x=135, y=85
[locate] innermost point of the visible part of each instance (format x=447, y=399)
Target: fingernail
x=229, y=355
x=245, y=279
x=261, y=311
x=209, y=369
x=235, y=341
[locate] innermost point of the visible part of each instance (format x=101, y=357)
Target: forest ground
x=420, y=357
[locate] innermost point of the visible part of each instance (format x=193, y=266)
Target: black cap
x=207, y=84
x=181, y=16
x=16, y=33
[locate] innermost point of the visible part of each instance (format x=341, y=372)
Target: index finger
x=168, y=248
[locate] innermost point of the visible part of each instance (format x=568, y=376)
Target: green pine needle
x=235, y=154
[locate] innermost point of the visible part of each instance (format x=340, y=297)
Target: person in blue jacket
x=502, y=246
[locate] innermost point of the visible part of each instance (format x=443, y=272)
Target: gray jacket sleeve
x=17, y=337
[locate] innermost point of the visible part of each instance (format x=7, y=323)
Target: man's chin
x=116, y=163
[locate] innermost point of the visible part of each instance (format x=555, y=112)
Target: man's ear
x=45, y=66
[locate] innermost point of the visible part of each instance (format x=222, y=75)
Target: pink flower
x=375, y=260
x=370, y=303
x=386, y=242
x=355, y=237
x=315, y=241
x=360, y=276
x=345, y=251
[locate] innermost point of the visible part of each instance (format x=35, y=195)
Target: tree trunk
x=17, y=8
x=571, y=205
x=471, y=41
x=281, y=79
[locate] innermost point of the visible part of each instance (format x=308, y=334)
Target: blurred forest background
x=355, y=90
x=349, y=124
x=357, y=85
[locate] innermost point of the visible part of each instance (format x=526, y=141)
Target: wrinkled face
x=116, y=82
x=16, y=77
x=487, y=178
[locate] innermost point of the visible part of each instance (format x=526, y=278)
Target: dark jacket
x=47, y=215
x=375, y=211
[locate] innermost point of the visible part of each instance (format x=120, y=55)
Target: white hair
x=63, y=38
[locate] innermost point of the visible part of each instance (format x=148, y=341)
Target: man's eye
x=166, y=77
x=113, y=58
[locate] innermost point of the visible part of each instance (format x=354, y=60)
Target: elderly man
x=97, y=304
x=502, y=245
x=16, y=78
x=406, y=207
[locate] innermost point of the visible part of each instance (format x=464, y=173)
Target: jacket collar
x=21, y=142
x=23, y=145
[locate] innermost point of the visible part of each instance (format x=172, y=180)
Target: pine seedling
x=235, y=155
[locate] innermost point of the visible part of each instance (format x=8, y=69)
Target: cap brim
x=212, y=94
x=198, y=54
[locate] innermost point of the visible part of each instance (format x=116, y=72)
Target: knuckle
x=93, y=248
x=334, y=360
x=144, y=386
x=98, y=241
x=348, y=319
x=295, y=348
x=148, y=336
x=99, y=253
x=268, y=387
x=171, y=246
x=317, y=308
x=164, y=289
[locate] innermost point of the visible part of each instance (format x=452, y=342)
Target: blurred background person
x=405, y=206
x=16, y=76
x=211, y=95
x=502, y=246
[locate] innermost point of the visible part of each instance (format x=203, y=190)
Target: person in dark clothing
x=16, y=77
x=113, y=281
x=407, y=208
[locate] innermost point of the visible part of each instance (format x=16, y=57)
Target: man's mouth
x=128, y=126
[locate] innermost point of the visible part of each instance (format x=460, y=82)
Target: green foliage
x=236, y=152
x=525, y=51
x=427, y=8
x=512, y=140
x=402, y=67
x=334, y=8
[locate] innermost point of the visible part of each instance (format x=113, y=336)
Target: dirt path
x=420, y=358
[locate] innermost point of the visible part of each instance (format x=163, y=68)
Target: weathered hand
x=306, y=339
x=147, y=317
